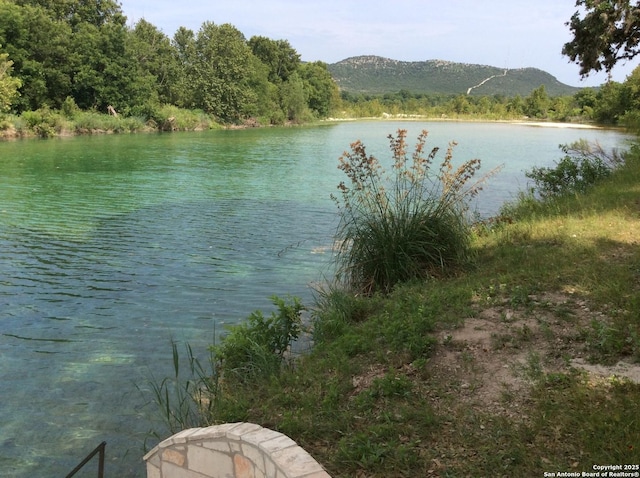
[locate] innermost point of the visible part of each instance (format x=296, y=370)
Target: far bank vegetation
x=79, y=68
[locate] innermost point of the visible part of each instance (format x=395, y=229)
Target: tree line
x=71, y=55
x=613, y=103
x=53, y=52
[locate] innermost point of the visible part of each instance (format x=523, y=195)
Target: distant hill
x=378, y=75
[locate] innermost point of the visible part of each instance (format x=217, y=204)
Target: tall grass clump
x=411, y=223
x=189, y=398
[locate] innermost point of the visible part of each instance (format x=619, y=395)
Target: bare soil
x=491, y=358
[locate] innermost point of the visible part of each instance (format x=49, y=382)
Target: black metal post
x=99, y=449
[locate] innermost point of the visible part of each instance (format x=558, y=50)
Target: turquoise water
x=112, y=246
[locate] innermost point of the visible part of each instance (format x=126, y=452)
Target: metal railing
x=99, y=449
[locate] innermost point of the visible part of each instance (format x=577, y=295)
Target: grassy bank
x=524, y=363
x=70, y=121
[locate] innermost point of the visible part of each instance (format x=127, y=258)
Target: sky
x=501, y=33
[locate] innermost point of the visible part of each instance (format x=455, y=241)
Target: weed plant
x=203, y=393
x=256, y=348
x=407, y=224
x=186, y=401
x=583, y=165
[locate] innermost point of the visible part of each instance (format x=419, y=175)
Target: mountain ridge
x=372, y=74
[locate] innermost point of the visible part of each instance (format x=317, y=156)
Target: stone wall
x=232, y=450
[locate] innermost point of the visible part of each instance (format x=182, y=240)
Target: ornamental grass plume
x=411, y=223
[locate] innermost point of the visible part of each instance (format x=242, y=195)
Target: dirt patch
x=620, y=370
x=363, y=381
x=491, y=359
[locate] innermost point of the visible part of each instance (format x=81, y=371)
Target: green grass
x=70, y=120
x=471, y=374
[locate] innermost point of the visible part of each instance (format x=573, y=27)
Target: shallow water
x=113, y=246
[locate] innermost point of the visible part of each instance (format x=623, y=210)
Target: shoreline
x=541, y=124
x=12, y=133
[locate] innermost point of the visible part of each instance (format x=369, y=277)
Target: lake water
x=113, y=246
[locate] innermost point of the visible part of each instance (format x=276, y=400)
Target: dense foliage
x=608, y=32
x=81, y=56
x=613, y=104
x=8, y=85
x=83, y=51
x=583, y=165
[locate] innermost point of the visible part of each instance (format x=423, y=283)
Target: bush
x=44, y=122
x=583, y=165
x=198, y=394
x=411, y=224
x=69, y=108
x=257, y=348
x=172, y=118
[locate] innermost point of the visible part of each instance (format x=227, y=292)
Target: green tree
x=8, y=84
x=222, y=72
x=561, y=107
x=76, y=12
x=70, y=48
x=320, y=88
x=281, y=58
x=105, y=72
x=184, y=44
x=631, y=88
x=460, y=104
x=39, y=48
x=586, y=98
x=537, y=103
x=516, y=105
x=608, y=32
x=264, y=94
x=611, y=103
x=156, y=60
x=293, y=100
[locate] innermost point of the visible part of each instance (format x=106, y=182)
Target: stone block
x=151, y=453
x=237, y=432
x=254, y=454
x=215, y=431
x=296, y=461
x=259, y=436
x=236, y=446
x=179, y=438
x=169, y=470
x=153, y=457
x=171, y=455
x=243, y=467
x=218, y=445
x=278, y=443
x=152, y=471
x=270, y=469
x=210, y=463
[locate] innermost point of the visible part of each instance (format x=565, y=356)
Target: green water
x=112, y=246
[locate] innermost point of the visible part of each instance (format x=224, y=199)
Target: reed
x=411, y=223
